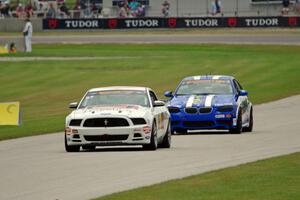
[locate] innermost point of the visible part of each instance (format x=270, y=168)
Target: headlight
x=227, y=108
x=174, y=109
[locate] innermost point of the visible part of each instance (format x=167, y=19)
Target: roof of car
x=209, y=77
x=119, y=88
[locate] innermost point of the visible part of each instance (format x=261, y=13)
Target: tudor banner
x=180, y=22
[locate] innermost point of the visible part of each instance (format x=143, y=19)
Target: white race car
x=118, y=116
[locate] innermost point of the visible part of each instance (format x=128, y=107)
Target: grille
x=105, y=122
x=175, y=123
x=75, y=122
x=198, y=123
x=138, y=121
x=205, y=110
x=225, y=108
x=93, y=138
x=174, y=110
x=191, y=110
x=226, y=122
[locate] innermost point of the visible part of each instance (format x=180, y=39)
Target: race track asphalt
x=37, y=168
x=279, y=39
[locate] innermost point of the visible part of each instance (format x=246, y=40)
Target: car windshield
x=205, y=87
x=115, y=97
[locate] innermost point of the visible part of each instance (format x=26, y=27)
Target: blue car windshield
x=115, y=97
x=205, y=87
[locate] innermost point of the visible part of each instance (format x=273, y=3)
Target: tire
x=71, y=148
x=90, y=148
x=166, y=143
x=250, y=127
x=153, y=143
x=239, y=124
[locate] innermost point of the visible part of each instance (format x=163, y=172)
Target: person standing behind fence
x=165, y=9
x=216, y=7
x=27, y=32
x=285, y=9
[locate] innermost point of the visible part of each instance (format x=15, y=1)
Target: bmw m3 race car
x=210, y=102
x=118, y=116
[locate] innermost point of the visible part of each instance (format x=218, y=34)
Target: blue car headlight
x=173, y=109
x=225, y=108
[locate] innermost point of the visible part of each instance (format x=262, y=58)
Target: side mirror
x=158, y=103
x=243, y=93
x=168, y=94
x=73, y=105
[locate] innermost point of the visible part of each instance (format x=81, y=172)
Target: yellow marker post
x=10, y=113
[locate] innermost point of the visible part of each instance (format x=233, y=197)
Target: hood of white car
x=114, y=110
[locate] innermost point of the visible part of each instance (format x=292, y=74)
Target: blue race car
x=210, y=102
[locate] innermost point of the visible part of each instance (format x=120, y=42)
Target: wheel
x=239, y=128
x=153, y=143
x=166, y=143
x=89, y=148
x=250, y=127
x=71, y=148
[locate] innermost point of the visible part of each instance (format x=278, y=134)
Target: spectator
x=165, y=9
x=297, y=6
x=285, y=8
x=29, y=10
x=133, y=6
x=64, y=11
x=216, y=7
x=141, y=11
x=95, y=10
x=77, y=5
x=41, y=10
x=20, y=11
x=122, y=10
x=4, y=9
x=51, y=13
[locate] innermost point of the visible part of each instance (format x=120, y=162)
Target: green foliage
x=45, y=88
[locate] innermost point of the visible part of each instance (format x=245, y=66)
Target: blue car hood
x=199, y=100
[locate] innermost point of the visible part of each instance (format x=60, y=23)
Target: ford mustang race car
x=210, y=102
x=118, y=116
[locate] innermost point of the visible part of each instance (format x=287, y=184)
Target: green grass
x=45, y=88
x=272, y=179
x=211, y=31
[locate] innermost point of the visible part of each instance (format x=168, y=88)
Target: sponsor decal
x=73, y=24
x=181, y=22
x=201, y=22
x=142, y=23
x=232, y=21
x=219, y=116
x=112, y=23
x=262, y=22
x=293, y=21
x=52, y=23
x=172, y=22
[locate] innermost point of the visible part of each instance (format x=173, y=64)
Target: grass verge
x=45, y=88
x=272, y=179
x=210, y=31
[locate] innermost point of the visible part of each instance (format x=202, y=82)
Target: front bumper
x=132, y=135
x=214, y=120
